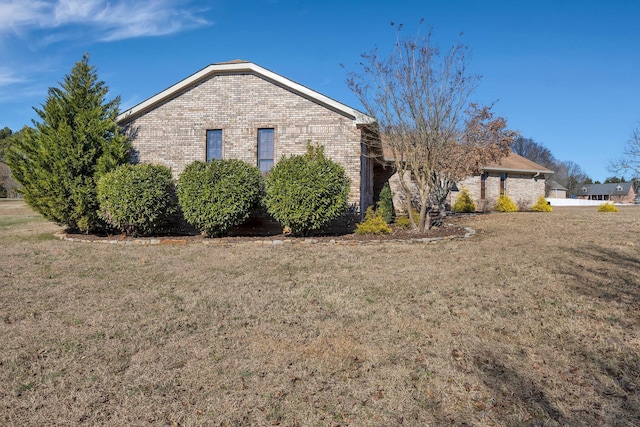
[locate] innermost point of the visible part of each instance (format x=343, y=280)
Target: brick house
x=622, y=192
x=240, y=110
x=555, y=190
x=517, y=177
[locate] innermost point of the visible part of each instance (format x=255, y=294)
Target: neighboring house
x=240, y=110
x=517, y=177
x=555, y=190
x=622, y=192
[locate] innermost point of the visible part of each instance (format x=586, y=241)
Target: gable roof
x=554, y=185
x=516, y=163
x=239, y=66
x=610, y=189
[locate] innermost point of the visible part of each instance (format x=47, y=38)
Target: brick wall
x=174, y=132
x=521, y=188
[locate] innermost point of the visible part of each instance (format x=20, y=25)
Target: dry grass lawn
x=535, y=321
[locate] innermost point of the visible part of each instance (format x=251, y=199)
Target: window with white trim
x=265, y=149
x=214, y=144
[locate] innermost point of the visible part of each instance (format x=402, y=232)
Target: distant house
x=517, y=177
x=555, y=190
x=622, y=192
x=241, y=110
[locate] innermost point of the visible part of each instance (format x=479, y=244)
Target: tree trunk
x=407, y=193
x=425, y=220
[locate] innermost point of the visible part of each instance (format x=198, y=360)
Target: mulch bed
x=450, y=229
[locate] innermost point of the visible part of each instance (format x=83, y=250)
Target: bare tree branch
x=630, y=160
x=418, y=97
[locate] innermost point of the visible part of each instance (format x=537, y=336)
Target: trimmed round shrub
x=542, y=205
x=505, y=204
x=464, y=203
x=385, y=203
x=373, y=223
x=306, y=192
x=219, y=195
x=607, y=207
x=137, y=199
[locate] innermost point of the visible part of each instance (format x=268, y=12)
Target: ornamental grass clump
x=373, y=223
x=220, y=194
x=137, y=199
x=607, y=207
x=464, y=203
x=306, y=192
x=505, y=204
x=542, y=205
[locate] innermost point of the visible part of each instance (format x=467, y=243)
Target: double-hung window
x=265, y=149
x=214, y=144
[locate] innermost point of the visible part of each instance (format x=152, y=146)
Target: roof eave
x=499, y=169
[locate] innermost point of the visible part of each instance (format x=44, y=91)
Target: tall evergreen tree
x=59, y=161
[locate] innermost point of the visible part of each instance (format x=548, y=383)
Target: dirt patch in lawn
x=534, y=321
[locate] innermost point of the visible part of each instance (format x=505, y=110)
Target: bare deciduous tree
x=484, y=141
x=570, y=175
x=536, y=152
x=630, y=161
x=419, y=96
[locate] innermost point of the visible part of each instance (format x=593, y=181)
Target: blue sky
x=563, y=72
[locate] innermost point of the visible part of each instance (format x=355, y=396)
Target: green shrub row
x=137, y=199
x=220, y=194
x=303, y=193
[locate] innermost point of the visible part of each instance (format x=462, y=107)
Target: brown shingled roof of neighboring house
x=511, y=163
x=516, y=163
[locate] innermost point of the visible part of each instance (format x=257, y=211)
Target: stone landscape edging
x=469, y=232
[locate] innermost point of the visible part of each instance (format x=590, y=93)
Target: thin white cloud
x=105, y=20
x=16, y=14
x=7, y=78
x=152, y=18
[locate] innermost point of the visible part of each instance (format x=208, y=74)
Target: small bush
x=542, y=205
x=219, y=195
x=306, y=192
x=385, y=203
x=505, y=204
x=403, y=222
x=137, y=199
x=464, y=203
x=607, y=207
x=373, y=223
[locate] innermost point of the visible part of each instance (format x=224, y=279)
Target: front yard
x=533, y=321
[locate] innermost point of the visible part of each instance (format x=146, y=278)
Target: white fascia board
x=499, y=169
x=357, y=116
